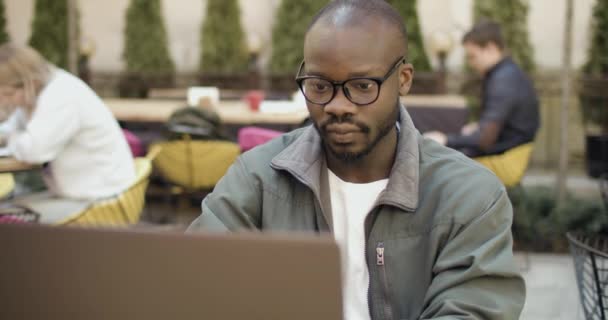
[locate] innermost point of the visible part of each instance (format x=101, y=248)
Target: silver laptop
x=74, y=273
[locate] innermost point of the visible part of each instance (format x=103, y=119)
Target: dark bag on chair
x=197, y=123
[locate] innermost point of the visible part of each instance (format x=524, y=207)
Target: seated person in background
x=58, y=121
x=424, y=232
x=509, y=105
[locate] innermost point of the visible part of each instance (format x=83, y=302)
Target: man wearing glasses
x=424, y=232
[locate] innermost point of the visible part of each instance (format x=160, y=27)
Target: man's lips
x=342, y=133
x=341, y=129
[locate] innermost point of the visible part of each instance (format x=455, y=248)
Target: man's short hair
x=361, y=9
x=484, y=33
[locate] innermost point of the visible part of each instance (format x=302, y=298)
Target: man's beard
x=353, y=157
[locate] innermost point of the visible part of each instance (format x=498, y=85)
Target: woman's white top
x=75, y=133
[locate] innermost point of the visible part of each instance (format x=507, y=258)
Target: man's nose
x=340, y=105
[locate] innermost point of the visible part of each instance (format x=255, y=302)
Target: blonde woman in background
x=57, y=121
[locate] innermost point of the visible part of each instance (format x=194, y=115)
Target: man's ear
x=406, y=76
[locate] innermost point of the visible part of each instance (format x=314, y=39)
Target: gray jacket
x=443, y=220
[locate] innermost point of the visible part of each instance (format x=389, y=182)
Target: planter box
x=429, y=83
x=137, y=85
x=285, y=83
x=245, y=81
x=594, y=106
x=597, y=154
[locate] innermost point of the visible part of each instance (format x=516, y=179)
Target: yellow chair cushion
x=195, y=164
x=123, y=209
x=510, y=166
x=7, y=184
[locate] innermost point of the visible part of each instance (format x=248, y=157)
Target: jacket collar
x=305, y=160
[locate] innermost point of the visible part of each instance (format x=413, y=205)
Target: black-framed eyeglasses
x=360, y=90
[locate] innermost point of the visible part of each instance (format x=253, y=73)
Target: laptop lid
x=74, y=273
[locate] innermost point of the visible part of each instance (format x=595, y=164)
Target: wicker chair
x=509, y=166
x=123, y=209
x=7, y=184
x=590, y=255
x=195, y=164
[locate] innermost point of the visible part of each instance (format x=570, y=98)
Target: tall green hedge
x=292, y=19
x=50, y=31
x=223, y=42
x=597, y=61
x=512, y=15
x=3, y=34
x=416, y=54
x=145, y=48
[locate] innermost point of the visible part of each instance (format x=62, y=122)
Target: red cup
x=254, y=98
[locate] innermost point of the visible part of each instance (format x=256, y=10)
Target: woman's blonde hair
x=23, y=67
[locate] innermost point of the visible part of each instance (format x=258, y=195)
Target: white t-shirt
x=350, y=204
x=74, y=132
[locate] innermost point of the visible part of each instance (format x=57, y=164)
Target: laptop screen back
x=70, y=273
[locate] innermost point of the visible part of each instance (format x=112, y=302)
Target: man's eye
x=319, y=86
x=364, y=86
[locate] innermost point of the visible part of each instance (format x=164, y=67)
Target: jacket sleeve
x=233, y=205
x=475, y=275
x=46, y=134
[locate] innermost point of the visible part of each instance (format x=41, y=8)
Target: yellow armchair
x=7, y=184
x=510, y=166
x=123, y=209
x=195, y=164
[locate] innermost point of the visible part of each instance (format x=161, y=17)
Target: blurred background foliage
x=145, y=47
x=292, y=20
x=223, y=41
x=50, y=31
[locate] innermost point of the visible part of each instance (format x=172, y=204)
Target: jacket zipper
x=367, y=230
x=388, y=310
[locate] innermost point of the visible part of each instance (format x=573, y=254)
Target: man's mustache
x=346, y=119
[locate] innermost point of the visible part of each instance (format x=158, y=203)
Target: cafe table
x=230, y=112
x=10, y=164
x=446, y=113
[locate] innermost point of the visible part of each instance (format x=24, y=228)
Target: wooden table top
x=237, y=112
x=435, y=101
x=10, y=164
x=230, y=112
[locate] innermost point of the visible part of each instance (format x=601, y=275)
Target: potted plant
x=293, y=18
x=3, y=35
x=425, y=81
x=148, y=63
x=50, y=31
x=224, y=60
x=594, y=94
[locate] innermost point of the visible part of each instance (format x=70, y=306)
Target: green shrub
x=597, y=57
x=50, y=31
x=416, y=54
x=223, y=42
x=145, y=48
x=540, y=225
x=293, y=18
x=3, y=34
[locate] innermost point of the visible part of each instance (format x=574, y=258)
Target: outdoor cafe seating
x=189, y=166
x=123, y=209
x=7, y=183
